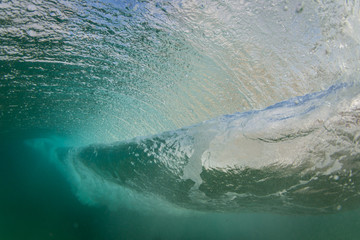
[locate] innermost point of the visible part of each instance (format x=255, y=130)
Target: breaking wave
x=297, y=156
x=109, y=71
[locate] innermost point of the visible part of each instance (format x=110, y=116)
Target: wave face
x=108, y=71
x=298, y=156
x=112, y=70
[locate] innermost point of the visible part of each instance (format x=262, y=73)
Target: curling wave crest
x=297, y=156
x=102, y=73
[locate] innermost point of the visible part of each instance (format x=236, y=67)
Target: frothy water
x=110, y=70
x=298, y=156
x=186, y=106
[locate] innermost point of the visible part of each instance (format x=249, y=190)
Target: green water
x=37, y=203
x=74, y=73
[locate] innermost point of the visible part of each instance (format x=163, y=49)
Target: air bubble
x=299, y=8
x=31, y=8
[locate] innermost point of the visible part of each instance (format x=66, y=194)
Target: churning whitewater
x=297, y=156
x=104, y=73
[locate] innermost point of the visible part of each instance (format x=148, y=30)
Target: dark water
x=75, y=73
x=37, y=203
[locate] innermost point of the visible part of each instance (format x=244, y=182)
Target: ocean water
x=183, y=119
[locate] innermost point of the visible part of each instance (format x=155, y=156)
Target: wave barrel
x=297, y=156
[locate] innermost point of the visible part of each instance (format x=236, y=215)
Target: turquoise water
x=37, y=203
x=179, y=119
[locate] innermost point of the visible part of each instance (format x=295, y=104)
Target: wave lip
x=297, y=156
